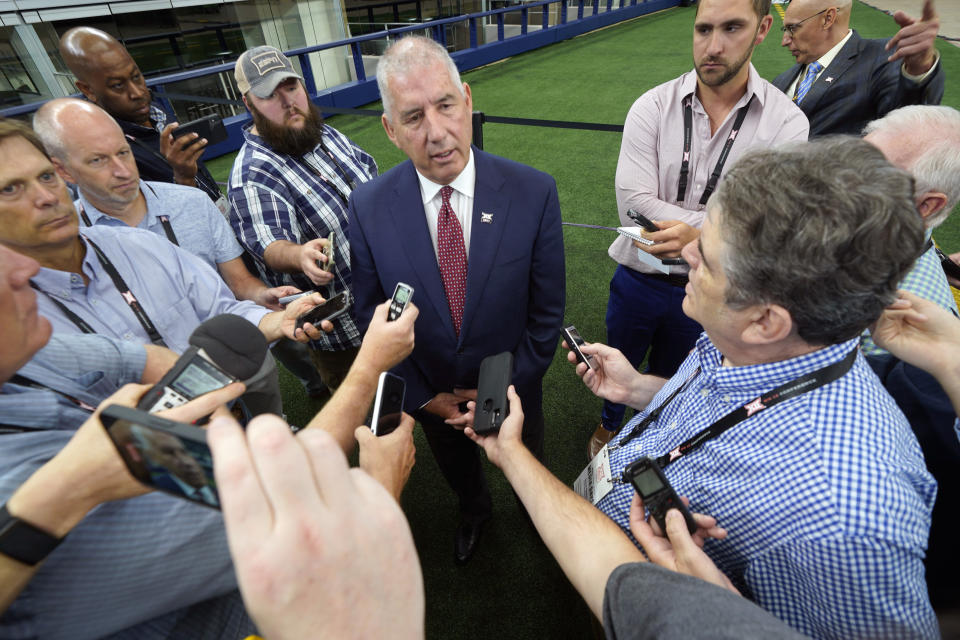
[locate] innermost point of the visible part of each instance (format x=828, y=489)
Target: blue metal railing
x=363, y=90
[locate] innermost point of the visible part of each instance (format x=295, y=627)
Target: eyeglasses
x=792, y=28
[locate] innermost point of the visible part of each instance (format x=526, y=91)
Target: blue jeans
x=645, y=313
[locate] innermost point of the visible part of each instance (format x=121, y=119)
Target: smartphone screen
x=328, y=310
x=388, y=405
x=164, y=455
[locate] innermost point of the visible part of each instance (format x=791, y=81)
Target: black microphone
x=223, y=349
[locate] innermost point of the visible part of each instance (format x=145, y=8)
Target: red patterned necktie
x=452, y=257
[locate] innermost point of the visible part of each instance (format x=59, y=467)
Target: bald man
x=842, y=81
x=108, y=76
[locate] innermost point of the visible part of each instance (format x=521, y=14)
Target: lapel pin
x=486, y=218
x=829, y=79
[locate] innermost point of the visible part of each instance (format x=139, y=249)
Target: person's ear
x=62, y=170
x=930, y=204
x=768, y=323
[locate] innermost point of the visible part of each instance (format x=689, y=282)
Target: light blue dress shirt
x=144, y=568
x=177, y=289
x=826, y=496
x=199, y=226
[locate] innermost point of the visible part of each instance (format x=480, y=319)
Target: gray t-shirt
x=643, y=600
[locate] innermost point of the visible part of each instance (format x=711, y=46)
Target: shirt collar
x=828, y=57
x=152, y=201
x=765, y=377
x=463, y=183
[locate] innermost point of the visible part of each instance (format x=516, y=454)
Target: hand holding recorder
x=674, y=547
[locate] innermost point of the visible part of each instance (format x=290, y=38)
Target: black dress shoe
x=466, y=541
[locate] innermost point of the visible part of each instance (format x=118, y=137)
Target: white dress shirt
x=461, y=201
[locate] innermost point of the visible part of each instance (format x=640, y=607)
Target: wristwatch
x=22, y=541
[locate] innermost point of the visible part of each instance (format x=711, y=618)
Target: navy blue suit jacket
x=515, y=274
x=860, y=86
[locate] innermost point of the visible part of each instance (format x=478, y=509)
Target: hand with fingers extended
x=914, y=42
x=676, y=549
x=320, y=550
x=921, y=333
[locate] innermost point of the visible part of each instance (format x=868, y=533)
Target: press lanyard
x=125, y=293
x=23, y=381
x=724, y=153
x=792, y=389
x=164, y=221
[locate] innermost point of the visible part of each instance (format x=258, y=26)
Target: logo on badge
x=486, y=218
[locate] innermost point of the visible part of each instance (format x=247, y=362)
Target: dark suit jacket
x=515, y=274
x=860, y=86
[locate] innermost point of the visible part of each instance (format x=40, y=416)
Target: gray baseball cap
x=261, y=69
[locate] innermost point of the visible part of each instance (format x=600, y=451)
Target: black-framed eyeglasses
x=792, y=28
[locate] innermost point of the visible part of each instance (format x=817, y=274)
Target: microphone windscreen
x=233, y=343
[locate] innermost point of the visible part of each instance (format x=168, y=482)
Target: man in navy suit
x=479, y=239
x=842, y=81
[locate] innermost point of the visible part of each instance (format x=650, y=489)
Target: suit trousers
x=460, y=461
x=643, y=313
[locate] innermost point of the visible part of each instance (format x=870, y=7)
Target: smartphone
x=192, y=375
x=658, y=496
x=285, y=300
x=642, y=220
x=162, y=454
x=332, y=308
x=573, y=339
x=388, y=405
x=328, y=251
x=401, y=296
x=209, y=127
x=492, y=407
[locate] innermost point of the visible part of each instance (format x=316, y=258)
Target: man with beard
x=289, y=189
x=108, y=76
x=677, y=139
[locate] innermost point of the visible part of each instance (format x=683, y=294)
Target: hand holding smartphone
x=162, y=454
x=332, y=308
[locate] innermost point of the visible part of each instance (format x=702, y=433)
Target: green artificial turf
x=513, y=588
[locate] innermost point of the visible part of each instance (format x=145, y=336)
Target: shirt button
x=74, y=278
x=704, y=392
x=726, y=397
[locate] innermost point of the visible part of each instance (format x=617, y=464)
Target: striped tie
x=812, y=70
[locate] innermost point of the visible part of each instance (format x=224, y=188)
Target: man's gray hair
x=825, y=229
x=409, y=54
x=935, y=130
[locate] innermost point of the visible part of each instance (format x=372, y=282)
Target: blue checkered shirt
x=279, y=197
x=926, y=280
x=146, y=568
x=825, y=495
